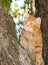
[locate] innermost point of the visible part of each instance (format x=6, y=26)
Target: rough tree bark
x=42, y=11
x=11, y=53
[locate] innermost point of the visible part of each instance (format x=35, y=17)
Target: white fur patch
x=29, y=30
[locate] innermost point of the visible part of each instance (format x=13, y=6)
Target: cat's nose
x=30, y=30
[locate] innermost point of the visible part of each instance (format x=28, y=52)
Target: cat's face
x=32, y=24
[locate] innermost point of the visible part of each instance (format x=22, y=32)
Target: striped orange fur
x=32, y=38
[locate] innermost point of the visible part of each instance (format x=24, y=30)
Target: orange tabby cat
x=32, y=38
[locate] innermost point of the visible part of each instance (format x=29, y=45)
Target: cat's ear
x=38, y=20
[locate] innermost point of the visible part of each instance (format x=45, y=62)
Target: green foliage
x=17, y=11
x=6, y=4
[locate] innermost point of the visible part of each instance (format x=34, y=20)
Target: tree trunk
x=11, y=53
x=42, y=11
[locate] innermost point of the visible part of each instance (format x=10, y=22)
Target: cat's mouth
x=28, y=30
